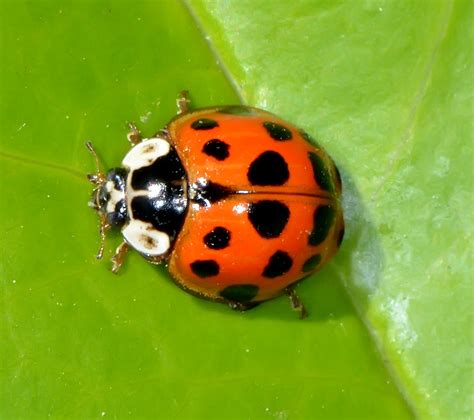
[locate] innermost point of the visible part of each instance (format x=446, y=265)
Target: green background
x=385, y=86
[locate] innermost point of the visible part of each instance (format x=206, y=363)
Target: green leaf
x=79, y=342
x=387, y=86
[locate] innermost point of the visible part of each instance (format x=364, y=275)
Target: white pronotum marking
x=145, y=153
x=145, y=238
x=115, y=196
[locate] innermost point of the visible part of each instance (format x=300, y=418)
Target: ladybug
x=238, y=204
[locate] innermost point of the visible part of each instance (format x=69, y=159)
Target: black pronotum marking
x=323, y=219
x=268, y=217
x=217, y=238
x=280, y=263
x=217, y=149
x=165, y=209
x=166, y=214
x=277, y=131
x=240, y=292
x=119, y=215
x=205, y=268
x=268, y=169
x=311, y=263
x=204, y=124
x=118, y=177
x=237, y=110
x=167, y=168
x=321, y=172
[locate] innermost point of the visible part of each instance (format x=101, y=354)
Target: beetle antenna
x=104, y=227
x=97, y=178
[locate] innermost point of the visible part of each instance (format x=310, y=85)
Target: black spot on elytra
x=279, y=263
x=208, y=192
x=321, y=172
x=237, y=110
x=239, y=292
x=268, y=217
x=268, y=169
x=204, y=124
x=311, y=263
x=217, y=238
x=338, y=177
x=217, y=149
x=277, y=131
x=323, y=219
x=205, y=268
x=340, y=236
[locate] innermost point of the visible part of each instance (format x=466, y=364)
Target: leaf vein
x=408, y=133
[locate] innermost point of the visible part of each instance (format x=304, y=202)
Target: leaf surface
x=387, y=88
x=80, y=342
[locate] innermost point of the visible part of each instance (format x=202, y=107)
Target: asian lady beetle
x=239, y=204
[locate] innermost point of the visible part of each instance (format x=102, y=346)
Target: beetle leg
x=296, y=303
x=134, y=136
x=163, y=134
x=119, y=256
x=241, y=307
x=183, y=102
